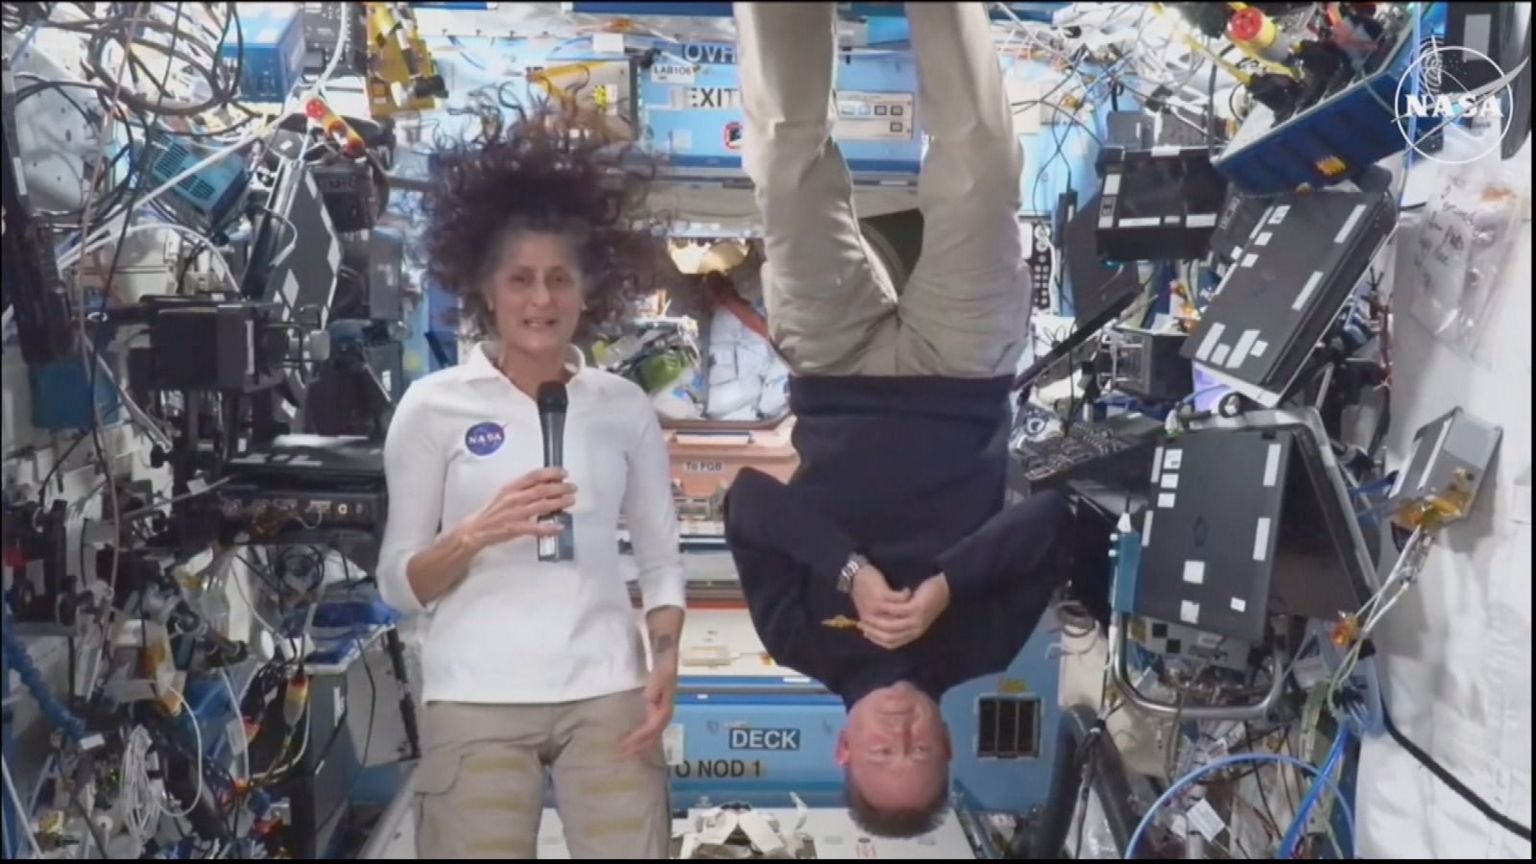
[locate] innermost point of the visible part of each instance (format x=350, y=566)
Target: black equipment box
x=1292, y=277
x=306, y=489
x=203, y=345
x=1148, y=364
x=1112, y=451
x=1244, y=524
x=1160, y=204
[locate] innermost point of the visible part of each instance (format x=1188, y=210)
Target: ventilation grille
x=1008, y=728
x=174, y=158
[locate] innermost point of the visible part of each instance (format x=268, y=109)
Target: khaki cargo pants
x=965, y=310
x=483, y=771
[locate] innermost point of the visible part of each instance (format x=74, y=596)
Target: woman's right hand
x=517, y=508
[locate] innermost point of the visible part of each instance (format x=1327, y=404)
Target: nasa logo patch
x=483, y=439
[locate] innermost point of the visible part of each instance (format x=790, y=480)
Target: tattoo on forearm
x=663, y=644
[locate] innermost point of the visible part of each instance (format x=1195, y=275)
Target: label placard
x=673, y=72
x=765, y=739
x=863, y=116
x=717, y=769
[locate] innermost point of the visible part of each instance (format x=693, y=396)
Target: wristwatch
x=856, y=562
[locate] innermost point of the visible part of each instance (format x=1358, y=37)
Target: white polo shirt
x=515, y=630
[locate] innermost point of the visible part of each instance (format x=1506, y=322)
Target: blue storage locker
x=756, y=740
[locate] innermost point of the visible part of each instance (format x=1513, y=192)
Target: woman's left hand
x=660, y=699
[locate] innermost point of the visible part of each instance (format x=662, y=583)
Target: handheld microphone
x=553, y=402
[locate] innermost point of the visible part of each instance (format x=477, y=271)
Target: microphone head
x=552, y=398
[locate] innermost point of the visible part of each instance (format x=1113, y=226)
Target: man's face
x=895, y=747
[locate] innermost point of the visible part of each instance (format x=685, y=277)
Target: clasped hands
x=893, y=619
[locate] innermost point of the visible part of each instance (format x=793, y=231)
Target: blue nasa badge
x=483, y=439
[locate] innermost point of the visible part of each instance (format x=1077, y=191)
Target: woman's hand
x=666, y=626
x=517, y=508
x=660, y=698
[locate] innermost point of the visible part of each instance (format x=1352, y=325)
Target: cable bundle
x=17, y=657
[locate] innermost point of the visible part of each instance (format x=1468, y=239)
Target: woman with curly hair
x=535, y=669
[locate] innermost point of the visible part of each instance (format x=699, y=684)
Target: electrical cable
x=362, y=764
x=139, y=804
x=1297, y=829
x=234, y=705
x=21, y=814
x=1226, y=762
x=42, y=491
x=91, y=828
x=19, y=659
x=154, y=507
x=197, y=734
x=345, y=28
x=201, y=58
x=1445, y=776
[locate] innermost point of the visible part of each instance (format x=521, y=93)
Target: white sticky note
x=1261, y=539
x=1272, y=466
x=608, y=43
x=1189, y=612
x=1170, y=481
x=1263, y=238
x=1244, y=347
x=1249, y=259
x=1259, y=347
x=1307, y=290
x=1239, y=605
x=1349, y=224
x=1211, y=340
x=1203, y=818
x=1194, y=572
x=1173, y=460
x=672, y=745
x=1166, y=501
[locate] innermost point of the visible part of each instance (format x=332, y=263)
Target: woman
x=534, y=668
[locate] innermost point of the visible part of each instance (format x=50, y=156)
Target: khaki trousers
x=965, y=310
x=483, y=771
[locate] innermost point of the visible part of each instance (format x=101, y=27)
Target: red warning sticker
x=733, y=136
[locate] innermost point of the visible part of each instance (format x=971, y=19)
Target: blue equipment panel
x=61, y=395
x=691, y=110
x=1003, y=728
x=272, y=42
x=1339, y=137
x=1024, y=11
x=214, y=712
x=1125, y=568
x=688, y=98
x=755, y=740
x=205, y=197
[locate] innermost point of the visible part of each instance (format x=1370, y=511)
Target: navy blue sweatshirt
x=911, y=472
